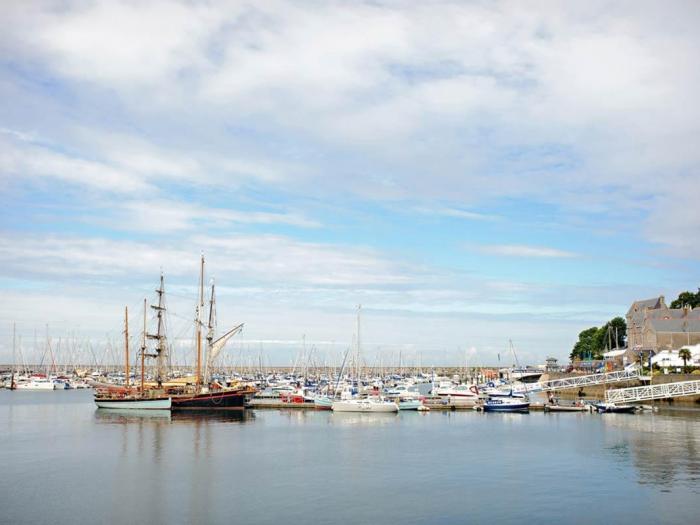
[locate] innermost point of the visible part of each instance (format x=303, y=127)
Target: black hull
x=211, y=401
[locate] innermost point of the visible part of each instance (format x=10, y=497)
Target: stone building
x=652, y=325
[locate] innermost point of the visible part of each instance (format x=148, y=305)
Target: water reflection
x=362, y=420
x=213, y=416
x=122, y=416
x=664, y=448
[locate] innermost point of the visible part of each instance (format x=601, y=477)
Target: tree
x=593, y=341
x=687, y=298
x=685, y=355
x=588, y=344
x=615, y=333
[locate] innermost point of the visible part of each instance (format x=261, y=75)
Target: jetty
x=652, y=392
x=580, y=381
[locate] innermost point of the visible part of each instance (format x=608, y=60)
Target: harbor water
x=64, y=461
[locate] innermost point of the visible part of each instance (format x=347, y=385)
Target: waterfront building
x=653, y=326
x=671, y=361
x=552, y=365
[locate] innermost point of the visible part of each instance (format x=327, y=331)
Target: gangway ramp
x=650, y=392
x=579, y=381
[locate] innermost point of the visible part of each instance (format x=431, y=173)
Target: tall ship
x=139, y=397
x=205, y=394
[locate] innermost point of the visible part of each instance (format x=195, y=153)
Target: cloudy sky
x=470, y=172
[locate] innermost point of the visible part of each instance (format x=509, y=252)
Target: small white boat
x=37, y=383
x=364, y=405
x=403, y=392
x=410, y=404
x=322, y=402
x=565, y=408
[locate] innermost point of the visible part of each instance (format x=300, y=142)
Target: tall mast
x=14, y=355
x=160, y=334
x=143, y=345
x=359, y=308
x=200, y=306
x=126, y=344
x=210, y=333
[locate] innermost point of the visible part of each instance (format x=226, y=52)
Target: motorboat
x=461, y=394
x=612, y=408
x=403, y=391
x=565, y=408
x=507, y=403
x=524, y=375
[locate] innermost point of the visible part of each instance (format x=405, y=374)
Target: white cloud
x=519, y=250
x=457, y=213
x=590, y=108
x=273, y=259
x=25, y=161
x=456, y=102
x=163, y=216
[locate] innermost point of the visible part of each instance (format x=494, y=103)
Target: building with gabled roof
x=636, y=315
x=653, y=326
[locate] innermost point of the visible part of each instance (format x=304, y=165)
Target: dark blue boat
x=612, y=408
x=507, y=403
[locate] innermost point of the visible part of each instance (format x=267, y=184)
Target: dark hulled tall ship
x=205, y=394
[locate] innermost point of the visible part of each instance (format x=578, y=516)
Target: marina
x=204, y=467
x=376, y=262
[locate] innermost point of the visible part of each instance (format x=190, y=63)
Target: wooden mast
x=143, y=345
x=126, y=344
x=199, y=323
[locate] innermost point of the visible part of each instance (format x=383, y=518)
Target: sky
x=469, y=172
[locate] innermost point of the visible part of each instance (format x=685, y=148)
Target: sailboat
x=205, y=394
x=128, y=397
x=508, y=402
x=367, y=404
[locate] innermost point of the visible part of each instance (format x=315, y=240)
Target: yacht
x=460, y=393
x=364, y=405
x=36, y=383
x=507, y=403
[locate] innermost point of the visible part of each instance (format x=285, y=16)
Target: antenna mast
x=200, y=306
x=126, y=345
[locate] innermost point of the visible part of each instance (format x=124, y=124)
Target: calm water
x=63, y=461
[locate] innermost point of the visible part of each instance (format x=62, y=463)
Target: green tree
x=593, y=341
x=588, y=344
x=614, y=333
x=687, y=298
x=685, y=355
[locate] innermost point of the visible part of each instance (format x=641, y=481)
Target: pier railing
x=579, y=381
x=650, y=392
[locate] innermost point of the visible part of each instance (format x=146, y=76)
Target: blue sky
x=469, y=172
